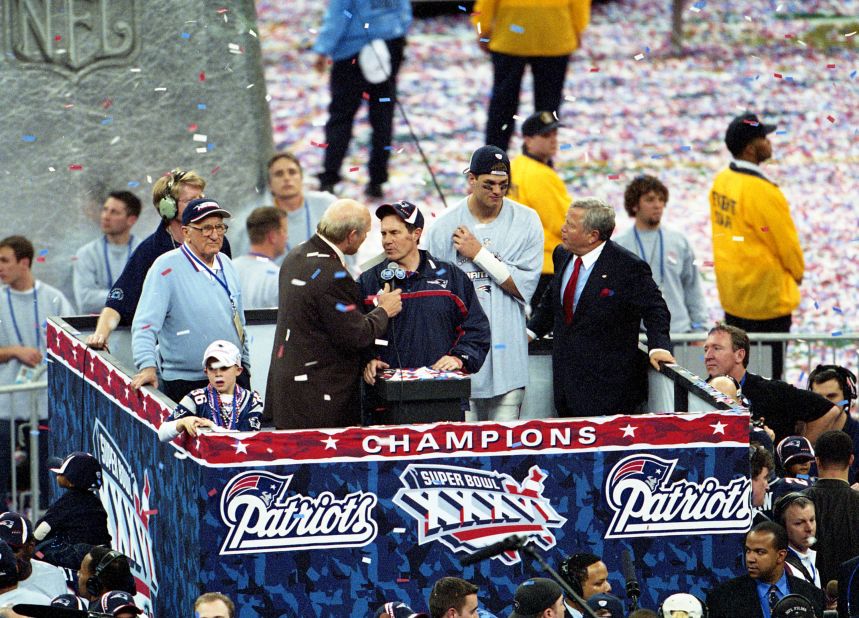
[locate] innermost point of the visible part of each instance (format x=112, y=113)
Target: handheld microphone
x=511, y=543
x=633, y=591
x=388, y=273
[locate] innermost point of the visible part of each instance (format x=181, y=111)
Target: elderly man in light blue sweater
x=191, y=297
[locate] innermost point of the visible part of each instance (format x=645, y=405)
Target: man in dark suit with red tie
x=600, y=295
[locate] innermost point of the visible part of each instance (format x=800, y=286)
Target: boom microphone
x=628, y=566
x=511, y=543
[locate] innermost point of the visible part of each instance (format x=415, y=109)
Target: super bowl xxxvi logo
x=72, y=37
x=647, y=503
x=262, y=517
x=467, y=509
x=128, y=513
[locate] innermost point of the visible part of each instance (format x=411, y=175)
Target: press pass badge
x=25, y=375
x=237, y=322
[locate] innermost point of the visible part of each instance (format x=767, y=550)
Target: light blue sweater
x=183, y=310
x=343, y=34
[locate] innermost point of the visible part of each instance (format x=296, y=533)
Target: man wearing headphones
x=796, y=513
x=170, y=195
x=103, y=570
x=587, y=575
x=838, y=385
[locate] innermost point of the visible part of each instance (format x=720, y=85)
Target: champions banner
x=337, y=522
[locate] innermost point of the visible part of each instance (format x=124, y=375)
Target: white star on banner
x=629, y=431
x=330, y=443
x=719, y=427
x=241, y=447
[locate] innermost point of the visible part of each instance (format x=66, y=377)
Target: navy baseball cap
x=534, y=596
x=604, y=601
x=70, y=601
x=398, y=610
x=794, y=449
x=201, y=208
x=117, y=601
x=406, y=211
x=81, y=469
x=540, y=123
x=15, y=529
x=743, y=129
x=8, y=565
x=489, y=160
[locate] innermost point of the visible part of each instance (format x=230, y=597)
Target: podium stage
x=335, y=522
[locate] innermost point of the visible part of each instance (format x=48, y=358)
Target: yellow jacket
x=756, y=251
x=532, y=27
x=538, y=186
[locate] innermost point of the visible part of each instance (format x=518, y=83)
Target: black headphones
x=664, y=612
x=570, y=577
x=783, y=503
x=93, y=584
x=846, y=379
x=168, y=207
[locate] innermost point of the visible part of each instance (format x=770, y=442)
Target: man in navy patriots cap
x=191, y=297
x=442, y=324
x=17, y=531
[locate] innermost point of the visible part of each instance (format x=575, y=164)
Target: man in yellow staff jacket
x=534, y=183
x=539, y=33
x=756, y=252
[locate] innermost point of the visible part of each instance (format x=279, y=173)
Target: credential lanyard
x=661, y=253
x=107, y=261
x=223, y=283
x=35, y=317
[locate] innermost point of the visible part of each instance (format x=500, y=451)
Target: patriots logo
x=440, y=282
x=467, y=509
x=262, y=514
x=265, y=487
x=650, y=470
x=646, y=503
x=484, y=288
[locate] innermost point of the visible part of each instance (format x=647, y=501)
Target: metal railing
x=801, y=351
x=18, y=501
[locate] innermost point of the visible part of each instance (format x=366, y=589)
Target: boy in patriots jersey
x=222, y=404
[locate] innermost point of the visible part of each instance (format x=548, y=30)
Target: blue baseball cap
x=201, y=208
x=406, y=211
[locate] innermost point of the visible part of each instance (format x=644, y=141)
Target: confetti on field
x=212, y=492
x=75, y=167
x=344, y=308
x=183, y=332
x=298, y=282
x=28, y=138
x=341, y=274
x=381, y=342
x=301, y=378
x=164, y=273
x=316, y=273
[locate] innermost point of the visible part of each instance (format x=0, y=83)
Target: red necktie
x=570, y=291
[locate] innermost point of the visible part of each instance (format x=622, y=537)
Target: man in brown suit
x=313, y=380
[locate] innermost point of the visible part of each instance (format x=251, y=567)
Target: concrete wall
x=101, y=95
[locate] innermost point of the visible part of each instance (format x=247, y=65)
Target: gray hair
x=342, y=217
x=599, y=216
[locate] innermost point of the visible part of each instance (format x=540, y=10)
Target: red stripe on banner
x=556, y=435
x=477, y=533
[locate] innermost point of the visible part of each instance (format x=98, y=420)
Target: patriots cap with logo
x=15, y=529
x=70, y=601
x=201, y=208
x=794, y=449
x=406, y=211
